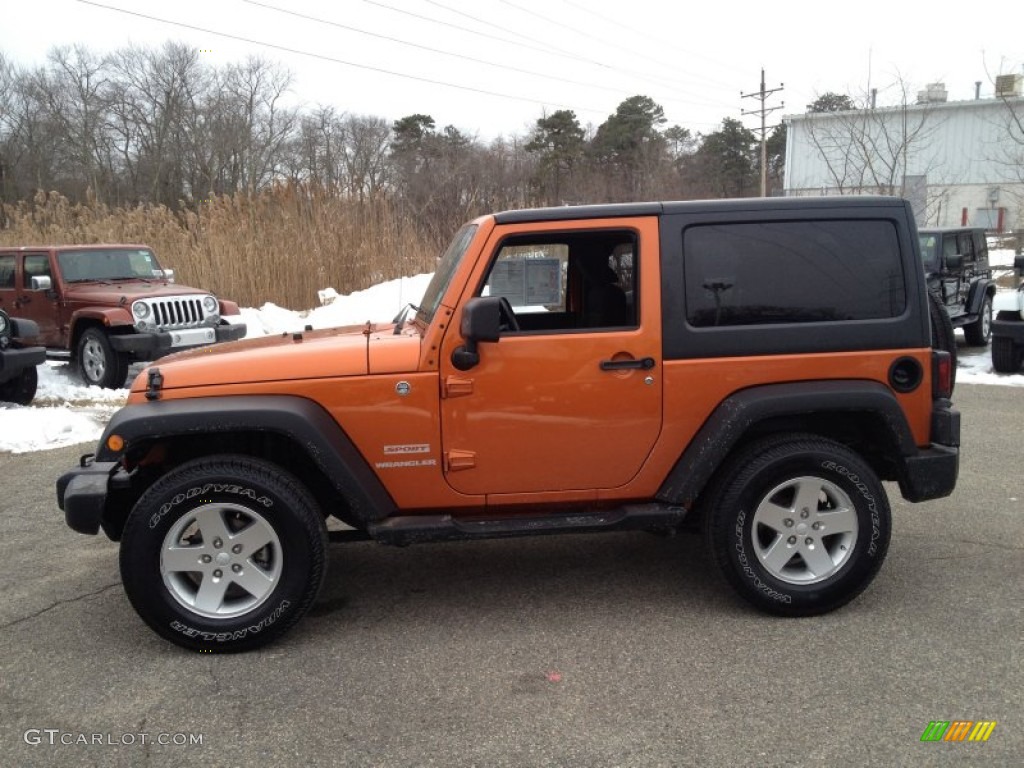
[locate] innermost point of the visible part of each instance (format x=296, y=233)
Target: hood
x=126, y=291
x=324, y=354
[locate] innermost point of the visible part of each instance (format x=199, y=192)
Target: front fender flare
x=305, y=423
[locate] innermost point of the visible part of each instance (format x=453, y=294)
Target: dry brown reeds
x=281, y=245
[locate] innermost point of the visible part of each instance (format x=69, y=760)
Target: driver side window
x=567, y=281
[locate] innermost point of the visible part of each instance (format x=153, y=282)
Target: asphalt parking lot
x=613, y=650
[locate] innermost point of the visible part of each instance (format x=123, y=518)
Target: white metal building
x=960, y=163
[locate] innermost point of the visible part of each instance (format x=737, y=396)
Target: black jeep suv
x=956, y=266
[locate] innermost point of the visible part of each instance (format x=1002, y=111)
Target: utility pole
x=763, y=111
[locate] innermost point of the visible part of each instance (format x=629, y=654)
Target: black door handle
x=644, y=364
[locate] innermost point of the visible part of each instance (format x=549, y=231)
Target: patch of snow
x=1001, y=257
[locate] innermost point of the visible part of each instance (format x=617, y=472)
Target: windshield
x=445, y=270
x=109, y=264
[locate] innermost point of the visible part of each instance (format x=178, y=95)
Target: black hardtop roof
x=618, y=210
x=948, y=230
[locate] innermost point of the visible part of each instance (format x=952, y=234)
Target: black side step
x=414, y=529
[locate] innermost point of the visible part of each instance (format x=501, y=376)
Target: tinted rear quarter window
x=756, y=273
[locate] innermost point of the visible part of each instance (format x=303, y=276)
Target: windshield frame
x=445, y=272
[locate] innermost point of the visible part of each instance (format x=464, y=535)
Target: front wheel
x=979, y=333
x=1006, y=355
x=798, y=525
x=98, y=363
x=223, y=554
x=22, y=388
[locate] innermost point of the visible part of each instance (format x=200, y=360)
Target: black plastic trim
x=302, y=421
x=739, y=412
x=945, y=426
x=1009, y=329
x=417, y=529
x=82, y=494
x=931, y=474
x=750, y=204
x=154, y=344
x=16, y=359
x=22, y=328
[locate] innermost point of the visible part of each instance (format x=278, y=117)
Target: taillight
x=942, y=375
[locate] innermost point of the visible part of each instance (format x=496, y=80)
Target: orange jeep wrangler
x=754, y=368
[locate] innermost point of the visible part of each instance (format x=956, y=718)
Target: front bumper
x=155, y=344
x=82, y=494
x=14, y=360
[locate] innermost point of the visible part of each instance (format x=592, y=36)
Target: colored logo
x=958, y=730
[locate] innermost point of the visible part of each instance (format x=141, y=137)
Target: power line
x=323, y=57
x=611, y=44
x=319, y=20
x=550, y=50
x=619, y=24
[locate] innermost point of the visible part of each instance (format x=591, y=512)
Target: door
x=570, y=400
x=39, y=304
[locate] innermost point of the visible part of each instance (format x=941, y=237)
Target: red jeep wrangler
x=109, y=305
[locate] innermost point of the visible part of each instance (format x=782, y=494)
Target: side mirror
x=1018, y=264
x=955, y=261
x=481, y=321
x=166, y=274
x=42, y=283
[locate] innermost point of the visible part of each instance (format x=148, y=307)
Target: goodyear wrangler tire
x=223, y=554
x=799, y=525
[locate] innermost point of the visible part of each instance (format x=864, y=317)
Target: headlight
x=210, y=305
x=140, y=309
x=4, y=323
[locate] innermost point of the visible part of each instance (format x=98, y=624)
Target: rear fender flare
x=738, y=413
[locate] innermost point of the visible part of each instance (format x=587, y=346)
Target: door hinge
x=456, y=460
x=455, y=386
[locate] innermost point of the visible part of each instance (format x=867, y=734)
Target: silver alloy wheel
x=94, y=360
x=986, y=321
x=221, y=560
x=804, y=530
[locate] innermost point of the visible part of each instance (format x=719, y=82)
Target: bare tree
x=871, y=149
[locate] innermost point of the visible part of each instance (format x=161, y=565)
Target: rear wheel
x=224, y=554
x=798, y=525
x=1006, y=355
x=22, y=388
x=943, y=337
x=979, y=333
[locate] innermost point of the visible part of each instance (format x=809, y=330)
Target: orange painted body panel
x=541, y=416
x=694, y=388
x=286, y=358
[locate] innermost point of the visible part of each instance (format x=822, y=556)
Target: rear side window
x=792, y=272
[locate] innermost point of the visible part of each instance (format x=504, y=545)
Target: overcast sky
x=493, y=67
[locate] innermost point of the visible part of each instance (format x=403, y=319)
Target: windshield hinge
x=457, y=387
